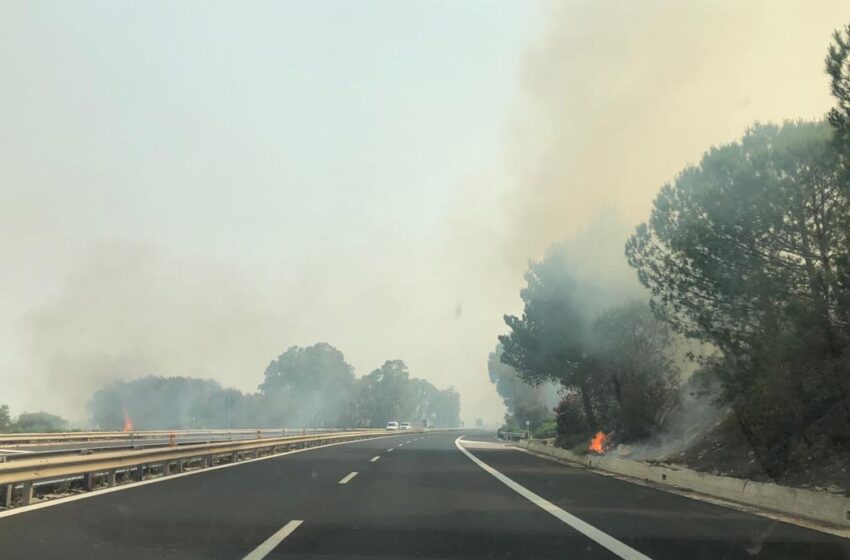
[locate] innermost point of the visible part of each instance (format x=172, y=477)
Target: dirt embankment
x=725, y=451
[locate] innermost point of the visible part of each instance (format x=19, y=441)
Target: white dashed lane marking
x=269, y=544
x=348, y=477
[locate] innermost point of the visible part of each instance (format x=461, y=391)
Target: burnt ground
x=725, y=451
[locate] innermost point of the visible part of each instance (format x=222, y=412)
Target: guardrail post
x=208, y=461
x=234, y=456
x=140, y=472
x=88, y=481
x=26, y=493
x=166, y=468
x=6, y=496
x=110, y=478
x=179, y=465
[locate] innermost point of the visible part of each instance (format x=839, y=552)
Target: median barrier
x=63, y=437
x=18, y=477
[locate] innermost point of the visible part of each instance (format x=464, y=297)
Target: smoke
x=695, y=415
x=126, y=310
x=614, y=99
x=187, y=213
x=620, y=96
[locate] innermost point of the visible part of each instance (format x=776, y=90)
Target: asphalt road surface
x=406, y=496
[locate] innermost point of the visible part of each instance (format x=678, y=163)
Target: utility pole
x=228, y=409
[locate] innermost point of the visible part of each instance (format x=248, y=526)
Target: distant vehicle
x=406, y=426
x=392, y=426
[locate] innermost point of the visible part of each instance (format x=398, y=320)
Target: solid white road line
x=348, y=477
x=13, y=451
x=620, y=549
x=264, y=549
x=375, y=458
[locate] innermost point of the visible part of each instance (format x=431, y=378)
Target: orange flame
x=597, y=444
x=128, y=424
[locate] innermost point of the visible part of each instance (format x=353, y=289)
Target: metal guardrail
x=117, y=446
x=60, y=437
x=511, y=436
x=22, y=474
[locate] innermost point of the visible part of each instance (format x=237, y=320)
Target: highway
x=410, y=495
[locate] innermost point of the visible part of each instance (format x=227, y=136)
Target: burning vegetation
x=598, y=444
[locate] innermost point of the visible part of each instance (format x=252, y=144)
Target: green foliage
x=617, y=368
x=548, y=429
x=550, y=337
x=633, y=362
x=389, y=394
x=571, y=425
x=549, y=342
x=838, y=68
x=523, y=402
x=5, y=418
x=749, y=252
x=309, y=386
x=158, y=403
x=756, y=233
x=27, y=422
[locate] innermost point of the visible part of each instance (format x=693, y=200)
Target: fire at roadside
x=599, y=443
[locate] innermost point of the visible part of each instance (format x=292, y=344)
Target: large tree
x=386, y=395
x=30, y=422
x=748, y=251
x=549, y=341
x=389, y=394
x=758, y=231
x=636, y=380
x=309, y=386
x=524, y=402
x=155, y=402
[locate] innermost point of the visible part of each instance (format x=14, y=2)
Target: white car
x=392, y=426
x=405, y=426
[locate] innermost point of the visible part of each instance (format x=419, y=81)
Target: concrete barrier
x=797, y=502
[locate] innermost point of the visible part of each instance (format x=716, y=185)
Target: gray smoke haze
x=191, y=196
x=695, y=415
x=126, y=311
x=615, y=99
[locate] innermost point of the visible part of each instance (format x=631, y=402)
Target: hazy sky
x=188, y=188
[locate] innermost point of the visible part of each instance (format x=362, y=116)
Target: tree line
x=29, y=422
x=312, y=386
x=748, y=253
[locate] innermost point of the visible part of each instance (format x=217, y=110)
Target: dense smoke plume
x=617, y=98
x=162, y=218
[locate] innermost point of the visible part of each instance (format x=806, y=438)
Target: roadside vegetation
x=746, y=254
x=28, y=422
x=312, y=386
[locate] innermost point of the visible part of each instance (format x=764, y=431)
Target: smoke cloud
x=170, y=205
